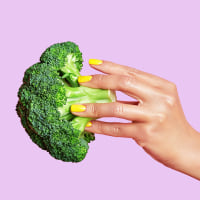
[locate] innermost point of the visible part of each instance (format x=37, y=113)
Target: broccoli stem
x=90, y=93
x=81, y=95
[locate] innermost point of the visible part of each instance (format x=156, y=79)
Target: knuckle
x=150, y=132
x=143, y=139
x=171, y=97
x=100, y=127
x=115, y=131
x=100, y=78
x=117, y=109
x=133, y=72
x=125, y=81
x=158, y=86
x=160, y=117
x=146, y=136
x=93, y=110
x=108, y=130
x=147, y=131
x=169, y=101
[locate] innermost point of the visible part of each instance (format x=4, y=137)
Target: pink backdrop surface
x=159, y=37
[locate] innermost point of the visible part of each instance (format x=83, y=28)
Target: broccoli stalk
x=81, y=95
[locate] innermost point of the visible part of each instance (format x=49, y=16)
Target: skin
x=157, y=121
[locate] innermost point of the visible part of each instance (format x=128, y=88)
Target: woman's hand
x=157, y=122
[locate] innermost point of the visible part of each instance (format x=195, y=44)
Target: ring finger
x=116, y=109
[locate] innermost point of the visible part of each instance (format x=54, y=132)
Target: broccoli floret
x=67, y=58
x=49, y=88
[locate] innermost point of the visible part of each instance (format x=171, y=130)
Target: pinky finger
x=127, y=130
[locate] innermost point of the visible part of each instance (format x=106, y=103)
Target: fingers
x=113, y=68
x=110, y=67
x=126, y=130
x=135, y=83
x=116, y=109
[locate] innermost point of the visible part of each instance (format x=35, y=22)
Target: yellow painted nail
x=89, y=124
x=95, y=62
x=77, y=108
x=82, y=79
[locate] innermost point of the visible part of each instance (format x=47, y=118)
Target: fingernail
x=82, y=79
x=95, y=62
x=77, y=108
x=89, y=124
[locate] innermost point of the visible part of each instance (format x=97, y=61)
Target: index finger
x=117, y=69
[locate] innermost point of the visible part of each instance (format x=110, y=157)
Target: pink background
x=160, y=37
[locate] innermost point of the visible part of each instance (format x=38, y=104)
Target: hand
x=157, y=122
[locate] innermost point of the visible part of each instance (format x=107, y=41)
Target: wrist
x=189, y=159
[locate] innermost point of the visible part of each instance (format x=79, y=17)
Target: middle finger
x=116, y=109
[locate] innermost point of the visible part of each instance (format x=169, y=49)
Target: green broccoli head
x=67, y=58
x=49, y=88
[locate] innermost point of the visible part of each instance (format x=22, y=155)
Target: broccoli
x=49, y=88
